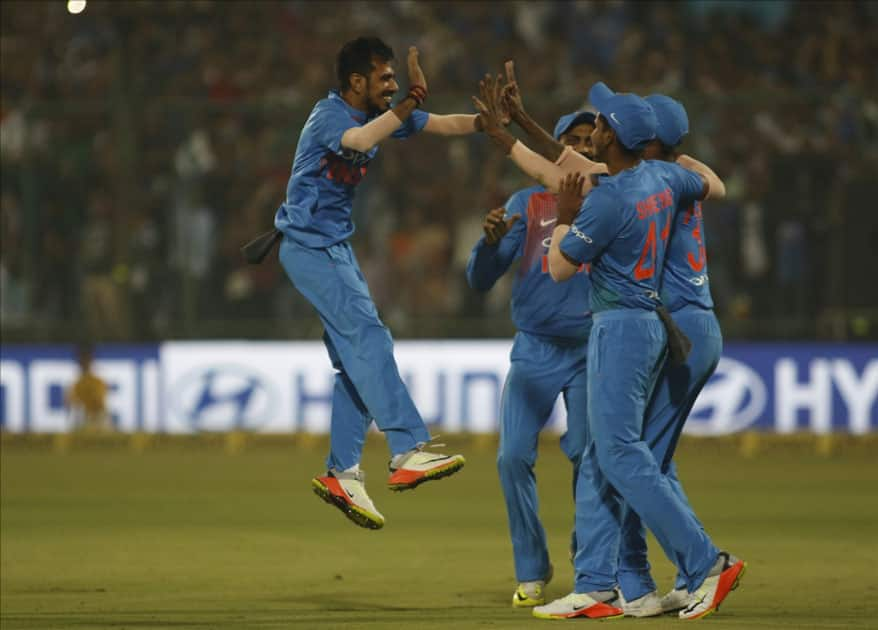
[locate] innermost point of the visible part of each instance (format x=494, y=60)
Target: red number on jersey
x=697, y=265
x=641, y=272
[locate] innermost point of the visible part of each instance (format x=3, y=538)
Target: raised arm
x=545, y=172
x=453, y=124
x=541, y=140
x=363, y=138
x=716, y=189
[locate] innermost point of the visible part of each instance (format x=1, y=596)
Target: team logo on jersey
x=734, y=398
x=580, y=234
x=349, y=168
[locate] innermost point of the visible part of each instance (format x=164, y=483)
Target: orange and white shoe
x=722, y=580
x=574, y=605
x=347, y=492
x=413, y=468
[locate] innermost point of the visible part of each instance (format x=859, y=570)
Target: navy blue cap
x=673, y=123
x=568, y=121
x=630, y=116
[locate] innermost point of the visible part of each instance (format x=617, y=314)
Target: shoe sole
x=434, y=474
x=356, y=515
x=527, y=603
x=715, y=607
x=598, y=611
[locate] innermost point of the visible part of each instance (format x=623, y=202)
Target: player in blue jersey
x=685, y=292
x=335, y=148
x=548, y=356
x=622, y=228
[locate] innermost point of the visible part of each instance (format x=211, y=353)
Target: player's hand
x=496, y=226
x=570, y=198
x=416, y=75
x=511, y=95
x=488, y=105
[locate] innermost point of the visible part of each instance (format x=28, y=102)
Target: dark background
x=144, y=142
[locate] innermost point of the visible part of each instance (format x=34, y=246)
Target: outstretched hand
x=496, y=227
x=416, y=75
x=488, y=104
x=511, y=95
x=570, y=197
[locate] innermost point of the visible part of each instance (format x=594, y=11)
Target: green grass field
x=187, y=535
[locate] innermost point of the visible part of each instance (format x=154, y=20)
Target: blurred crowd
x=144, y=142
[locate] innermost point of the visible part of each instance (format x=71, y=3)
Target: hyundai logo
x=222, y=398
x=733, y=399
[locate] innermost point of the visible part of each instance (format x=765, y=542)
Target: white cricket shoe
x=674, y=600
x=574, y=605
x=648, y=605
x=530, y=594
x=722, y=580
x=347, y=492
x=411, y=469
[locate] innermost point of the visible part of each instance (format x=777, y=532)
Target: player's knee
x=514, y=458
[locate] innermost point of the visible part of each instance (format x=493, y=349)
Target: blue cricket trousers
x=367, y=383
x=672, y=400
x=625, y=356
x=541, y=369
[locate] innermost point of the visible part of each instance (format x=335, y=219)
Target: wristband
x=418, y=93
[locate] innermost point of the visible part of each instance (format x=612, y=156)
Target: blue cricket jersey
x=320, y=193
x=685, y=279
x=623, y=227
x=539, y=305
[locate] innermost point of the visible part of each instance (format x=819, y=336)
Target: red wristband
x=418, y=93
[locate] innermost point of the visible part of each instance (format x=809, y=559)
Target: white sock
x=353, y=469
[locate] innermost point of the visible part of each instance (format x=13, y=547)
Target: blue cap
x=673, y=123
x=630, y=116
x=568, y=121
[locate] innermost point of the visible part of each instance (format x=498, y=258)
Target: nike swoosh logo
x=520, y=598
x=545, y=222
x=580, y=607
x=436, y=459
x=616, y=120
x=349, y=494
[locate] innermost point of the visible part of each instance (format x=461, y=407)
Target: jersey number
x=697, y=264
x=646, y=269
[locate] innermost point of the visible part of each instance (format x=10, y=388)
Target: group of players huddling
x=612, y=306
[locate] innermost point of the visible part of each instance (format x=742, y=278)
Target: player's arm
x=541, y=140
x=714, y=188
x=583, y=231
x=452, y=124
x=363, y=138
x=498, y=248
x=545, y=172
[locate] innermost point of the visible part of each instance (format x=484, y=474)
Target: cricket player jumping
x=335, y=147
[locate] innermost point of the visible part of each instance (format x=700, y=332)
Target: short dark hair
x=356, y=57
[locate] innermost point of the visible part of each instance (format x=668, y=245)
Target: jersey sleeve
x=595, y=227
x=328, y=124
x=488, y=262
x=416, y=121
x=689, y=186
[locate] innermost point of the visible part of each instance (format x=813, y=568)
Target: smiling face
x=381, y=85
x=579, y=138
